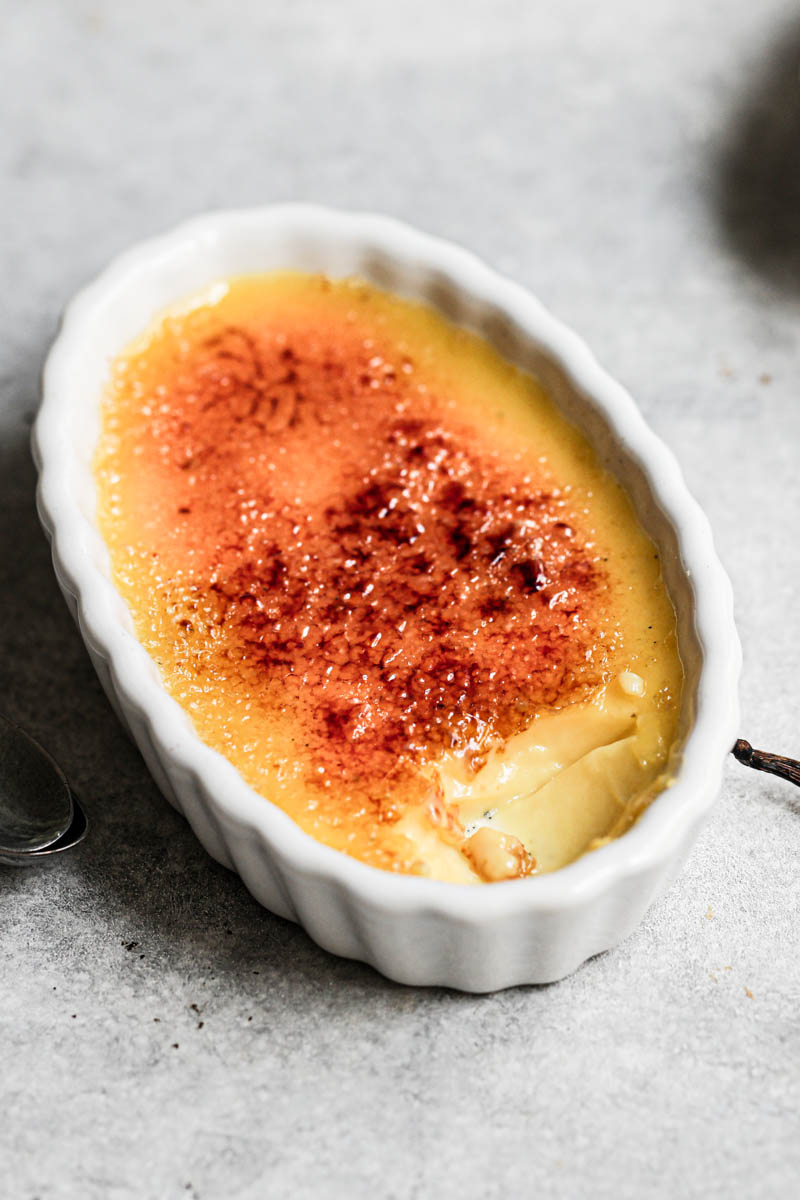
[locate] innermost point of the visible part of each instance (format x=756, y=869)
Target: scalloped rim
x=659, y=834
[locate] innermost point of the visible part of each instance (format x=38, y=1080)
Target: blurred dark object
x=758, y=175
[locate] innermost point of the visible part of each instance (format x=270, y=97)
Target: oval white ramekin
x=414, y=930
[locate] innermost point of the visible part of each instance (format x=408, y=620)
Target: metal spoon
x=37, y=808
x=75, y=834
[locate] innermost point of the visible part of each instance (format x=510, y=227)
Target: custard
x=387, y=579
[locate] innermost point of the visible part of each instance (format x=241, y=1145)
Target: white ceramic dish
x=414, y=930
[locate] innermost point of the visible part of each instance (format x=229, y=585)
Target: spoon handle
x=762, y=760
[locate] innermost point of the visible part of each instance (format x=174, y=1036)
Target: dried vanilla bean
x=761, y=760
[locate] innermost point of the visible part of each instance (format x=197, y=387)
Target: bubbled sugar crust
x=336, y=533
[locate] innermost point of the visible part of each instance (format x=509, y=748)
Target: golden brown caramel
x=358, y=543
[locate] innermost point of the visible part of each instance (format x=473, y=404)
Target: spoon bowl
x=36, y=805
x=75, y=834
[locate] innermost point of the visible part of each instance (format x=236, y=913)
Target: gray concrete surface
x=637, y=166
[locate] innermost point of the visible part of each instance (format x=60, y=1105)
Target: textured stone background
x=637, y=165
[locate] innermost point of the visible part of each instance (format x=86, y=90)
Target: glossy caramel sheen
x=359, y=543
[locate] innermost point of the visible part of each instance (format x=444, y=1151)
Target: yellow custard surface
x=387, y=579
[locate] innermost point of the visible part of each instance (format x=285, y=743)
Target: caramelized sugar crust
x=336, y=536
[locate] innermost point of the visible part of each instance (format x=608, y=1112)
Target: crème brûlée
x=387, y=579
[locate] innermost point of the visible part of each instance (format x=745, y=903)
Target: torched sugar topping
x=386, y=578
x=333, y=531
